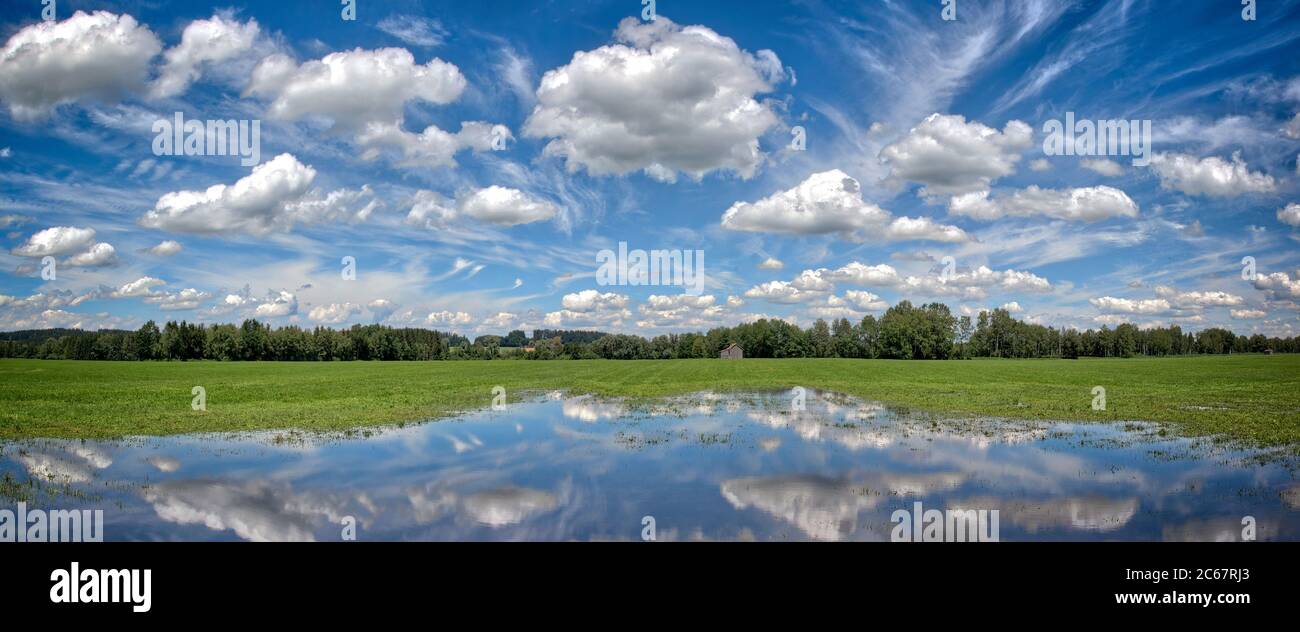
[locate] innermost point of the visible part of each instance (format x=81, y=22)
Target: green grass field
x=1249, y=397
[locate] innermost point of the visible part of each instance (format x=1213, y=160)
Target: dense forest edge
x=904, y=331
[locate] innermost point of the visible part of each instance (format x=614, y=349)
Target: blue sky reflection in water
x=704, y=466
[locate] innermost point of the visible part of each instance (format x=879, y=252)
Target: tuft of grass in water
x=1253, y=398
x=14, y=491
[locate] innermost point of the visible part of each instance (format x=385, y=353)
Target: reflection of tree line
x=905, y=331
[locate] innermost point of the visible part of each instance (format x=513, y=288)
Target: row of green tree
x=252, y=340
x=931, y=331
x=904, y=331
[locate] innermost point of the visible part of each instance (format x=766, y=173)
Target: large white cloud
x=77, y=242
x=1212, y=176
x=213, y=40
x=497, y=205
x=505, y=207
x=1088, y=204
x=951, y=156
x=353, y=88
x=663, y=99
x=831, y=202
x=276, y=196
x=826, y=202
x=98, y=55
x=1279, y=285
x=56, y=240
x=364, y=92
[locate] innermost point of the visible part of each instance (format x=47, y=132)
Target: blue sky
x=474, y=158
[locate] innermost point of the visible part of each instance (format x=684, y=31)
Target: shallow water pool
x=708, y=466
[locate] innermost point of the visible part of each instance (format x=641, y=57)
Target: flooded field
x=757, y=466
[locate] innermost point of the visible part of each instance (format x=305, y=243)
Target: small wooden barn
x=732, y=352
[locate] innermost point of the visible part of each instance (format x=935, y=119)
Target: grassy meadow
x=1254, y=398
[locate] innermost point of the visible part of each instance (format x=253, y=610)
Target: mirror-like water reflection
x=704, y=467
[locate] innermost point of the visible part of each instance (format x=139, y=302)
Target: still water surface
x=706, y=466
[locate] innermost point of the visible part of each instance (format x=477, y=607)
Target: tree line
x=904, y=331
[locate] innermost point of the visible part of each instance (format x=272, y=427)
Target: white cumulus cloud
x=213, y=40
x=100, y=254
x=951, y=156
x=589, y=308
x=142, y=286
x=449, y=319
x=1087, y=204
x=166, y=248
x=1279, y=285
x=55, y=241
x=334, y=313
x=972, y=284
x=1289, y=215
x=276, y=304
x=98, y=55
x=831, y=202
x=1198, y=299
x=1212, y=176
x=276, y=196
x=364, y=92
x=505, y=207
x=353, y=88
x=664, y=99
x=497, y=205
x=186, y=299
x=1115, y=305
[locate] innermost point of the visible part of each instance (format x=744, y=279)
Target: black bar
x=229, y=580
